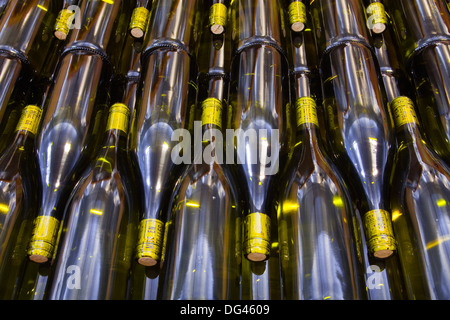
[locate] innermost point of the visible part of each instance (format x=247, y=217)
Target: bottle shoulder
x=416, y=164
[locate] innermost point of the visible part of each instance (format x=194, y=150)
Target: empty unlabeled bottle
x=163, y=111
x=318, y=250
x=423, y=32
x=100, y=226
x=27, y=50
x=420, y=192
x=19, y=200
x=73, y=116
x=202, y=252
x=358, y=122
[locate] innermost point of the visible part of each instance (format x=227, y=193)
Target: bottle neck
x=406, y=121
x=117, y=126
x=212, y=139
x=114, y=141
x=28, y=125
x=308, y=136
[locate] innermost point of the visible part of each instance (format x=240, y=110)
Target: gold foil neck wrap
x=257, y=236
x=297, y=15
x=377, y=18
x=150, y=241
x=306, y=111
x=63, y=23
x=404, y=113
x=139, y=22
x=212, y=112
x=118, y=118
x=218, y=18
x=380, y=236
x=44, y=238
x=30, y=119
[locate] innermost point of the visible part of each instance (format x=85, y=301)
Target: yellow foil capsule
x=150, y=242
x=44, y=238
x=30, y=119
x=217, y=18
x=257, y=236
x=306, y=110
x=297, y=16
x=404, y=113
x=377, y=17
x=139, y=22
x=63, y=23
x=212, y=112
x=118, y=117
x=380, y=236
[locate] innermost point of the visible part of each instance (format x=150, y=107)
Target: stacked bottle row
x=215, y=150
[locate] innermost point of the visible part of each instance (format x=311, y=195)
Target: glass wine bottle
x=319, y=255
x=165, y=107
x=100, y=226
x=73, y=116
x=360, y=126
x=19, y=199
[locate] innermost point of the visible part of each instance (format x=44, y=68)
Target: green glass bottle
x=426, y=49
x=19, y=199
x=420, y=192
x=359, y=125
x=203, y=247
x=259, y=94
x=319, y=255
x=100, y=227
x=165, y=106
x=27, y=51
x=74, y=108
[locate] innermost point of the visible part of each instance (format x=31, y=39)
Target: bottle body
x=202, y=255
